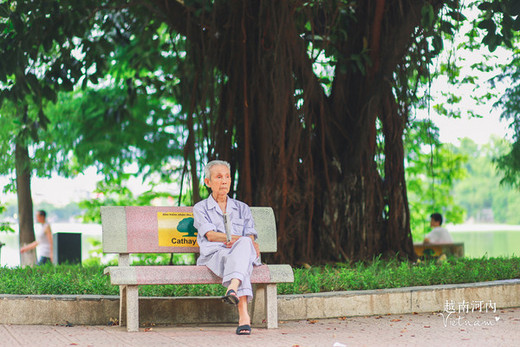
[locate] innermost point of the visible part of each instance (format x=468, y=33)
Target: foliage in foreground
x=377, y=274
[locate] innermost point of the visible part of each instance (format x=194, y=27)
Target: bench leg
x=132, y=308
x=258, y=305
x=271, y=306
x=265, y=305
x=124, y=260
x=122, y=306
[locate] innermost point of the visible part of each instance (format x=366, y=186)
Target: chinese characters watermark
x=455, y=314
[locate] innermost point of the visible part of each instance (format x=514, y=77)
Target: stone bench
x=148, y=229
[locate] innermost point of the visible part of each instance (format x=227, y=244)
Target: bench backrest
x=152, y=229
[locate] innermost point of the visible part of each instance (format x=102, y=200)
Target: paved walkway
x=500, y=328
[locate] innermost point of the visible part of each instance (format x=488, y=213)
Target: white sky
x=57, y=190
x=477, y=129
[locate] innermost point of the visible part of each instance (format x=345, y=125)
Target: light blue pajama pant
x=236, y=262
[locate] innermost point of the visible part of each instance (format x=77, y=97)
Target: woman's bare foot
x=244, y=321
x=231, y=296
x=233, y=285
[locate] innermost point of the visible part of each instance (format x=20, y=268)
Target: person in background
x=438, y=233
x=43, y=242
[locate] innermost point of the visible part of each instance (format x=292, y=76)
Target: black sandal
x=244, y=329
x=231, y=297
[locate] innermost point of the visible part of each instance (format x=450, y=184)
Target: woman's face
x=219, y=181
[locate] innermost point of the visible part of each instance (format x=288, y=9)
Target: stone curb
x=503, y=294
x=101, y=310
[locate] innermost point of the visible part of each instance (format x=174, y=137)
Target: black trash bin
x=67, y=248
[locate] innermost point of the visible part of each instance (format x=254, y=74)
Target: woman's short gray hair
x=207, y=168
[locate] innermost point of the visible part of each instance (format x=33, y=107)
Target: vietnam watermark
x=458, y=314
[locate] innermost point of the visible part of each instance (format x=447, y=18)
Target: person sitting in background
x=43, y=242
x=438, y=233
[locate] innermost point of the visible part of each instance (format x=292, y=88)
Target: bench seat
x=190, y=274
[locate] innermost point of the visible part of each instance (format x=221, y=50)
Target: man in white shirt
x=438, y=233
x=43, y=242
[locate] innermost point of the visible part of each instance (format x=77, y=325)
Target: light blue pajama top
x=208, y=216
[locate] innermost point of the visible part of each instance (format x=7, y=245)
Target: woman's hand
x=257, y=248
x=234, y=239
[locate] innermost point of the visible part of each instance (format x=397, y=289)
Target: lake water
x=493, y=240
x=479, y=240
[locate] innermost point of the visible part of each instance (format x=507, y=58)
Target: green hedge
x=380, y=274
x=377, y=274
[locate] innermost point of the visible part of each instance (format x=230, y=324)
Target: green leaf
x=491, y=40
x=325, y=80
x=457, y=15
x=488, y=24
x=485, y=6
x=447, y=27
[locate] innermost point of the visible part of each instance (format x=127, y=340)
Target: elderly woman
x=231, y=260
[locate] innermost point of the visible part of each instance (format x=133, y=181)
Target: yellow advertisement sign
x=176, y=229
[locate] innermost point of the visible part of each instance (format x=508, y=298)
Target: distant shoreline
x=481, y=227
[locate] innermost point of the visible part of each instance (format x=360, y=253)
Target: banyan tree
x=308, y=101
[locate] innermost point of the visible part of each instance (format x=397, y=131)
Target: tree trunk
x=398, y=213
x=25, y=204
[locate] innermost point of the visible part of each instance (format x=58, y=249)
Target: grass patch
x=377, y=274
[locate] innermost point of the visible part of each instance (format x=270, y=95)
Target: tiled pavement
x=500, y=328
